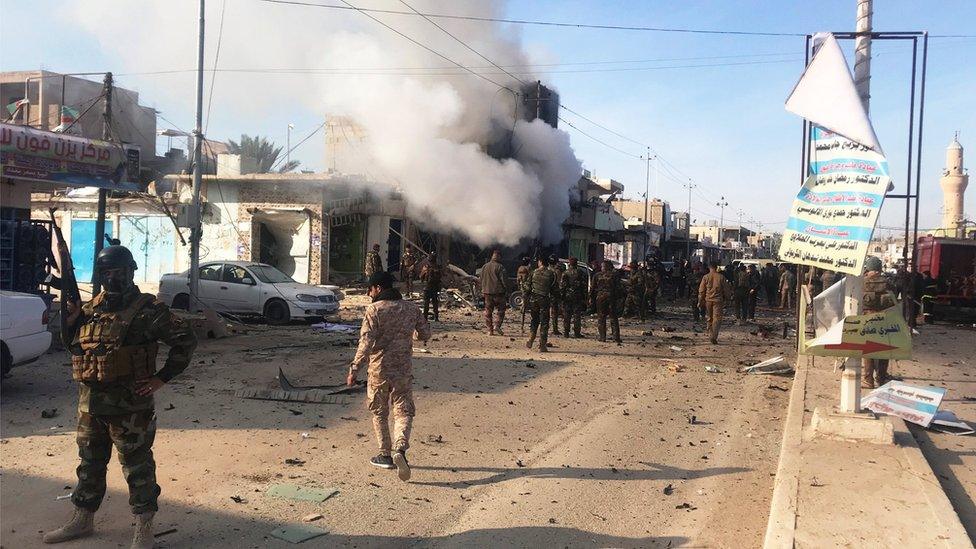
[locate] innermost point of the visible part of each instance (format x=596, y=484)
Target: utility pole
x=647, y=186
x=688, y=228
x=288, y=145
x=722, y=203
x=195, y=227
x=850, y=381
x=102, y=193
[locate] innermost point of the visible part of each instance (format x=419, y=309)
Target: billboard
x=30, y=154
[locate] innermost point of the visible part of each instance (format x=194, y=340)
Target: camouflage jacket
x=573, y=283
x=153, y=323
x=652, y=280
x=540, y=282
x=606, y=283
x=373, y=263
x=407, y=262
x=386, y=337
x=557, y=273
x=878, y=292
x=431, y=275
x=637, y=282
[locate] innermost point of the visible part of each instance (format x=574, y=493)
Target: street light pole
x=195, y=225
x=288, y=145
x=722, y=203
x=688, y=227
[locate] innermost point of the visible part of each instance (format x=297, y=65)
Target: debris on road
x=49, y=413
x=675, y=368
x=771, y=366
x=668, y=490
x=64, y=497
x=301, y=493
x=297, y=533
x=676, y=349
x=238, y=499
x=165, y=533
x=335, y=328
x=713, y=369
x=295, y=461
x=945, y=421
x=312, y=518
x=315, y=396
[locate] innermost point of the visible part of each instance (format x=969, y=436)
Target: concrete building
x=953, y=182
x=733, y=241
x=592, y=222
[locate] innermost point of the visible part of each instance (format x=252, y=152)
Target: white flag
x=826, y=96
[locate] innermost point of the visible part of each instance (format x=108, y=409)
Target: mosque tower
x=954, y=182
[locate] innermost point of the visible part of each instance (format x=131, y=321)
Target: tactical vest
x=877, y=294
x=541, y=281
x=105, y=359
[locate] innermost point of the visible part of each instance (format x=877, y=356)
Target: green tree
x=264, y=151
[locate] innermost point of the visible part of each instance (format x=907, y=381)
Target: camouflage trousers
x=381, y=395
x=572, y=315
x=539, y=307
x=635, y=304
x=495, y=305
x=133, y=436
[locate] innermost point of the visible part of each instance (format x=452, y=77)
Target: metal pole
x=850, y=381
x=688, y=225
x=102, y=193
x=647, y=185
x=195, y=229
x=906, y=303
x=918, y=163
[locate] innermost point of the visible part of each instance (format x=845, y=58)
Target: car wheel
x=182, y=302
x=515, y=301
x=276, y=312
x=6, y=361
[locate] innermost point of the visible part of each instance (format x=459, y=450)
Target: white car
x=250, y=288
x=23, y=329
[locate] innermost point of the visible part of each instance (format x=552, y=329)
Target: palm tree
x=264, y=151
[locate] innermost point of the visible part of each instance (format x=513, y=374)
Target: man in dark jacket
x=494, y=286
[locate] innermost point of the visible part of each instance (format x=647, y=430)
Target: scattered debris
x=692, y=420
x=165, y=533
x=49, y=413
x=552, y=520
x=295, y=412
x=295, y=461
x=238, y=499
x=768, y=367
x=169, y=407
x=439, y=439
x=667, y=329
x=315, y=396
x=64, y=497
x=647, y=333
x=676, y=349
x=712, y=369
x=777, y=387
x=946, y=422
x=675, y=368
x=816, y=483
x=287, y=385
x=312, y=518
x=421, y=350
x=297, y=533
x=668, y=490
x=338, y=328
x=685, y=506
x=301, y=493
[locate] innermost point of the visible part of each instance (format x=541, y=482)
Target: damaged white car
x=248, y=288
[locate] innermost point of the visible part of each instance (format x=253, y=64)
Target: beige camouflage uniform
x=386, y=346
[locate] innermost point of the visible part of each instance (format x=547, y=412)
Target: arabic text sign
x=833, y=215
x=36, y=155
x=882, y=335
x=916, y=404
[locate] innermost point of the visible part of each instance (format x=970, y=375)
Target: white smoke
x=426, y=131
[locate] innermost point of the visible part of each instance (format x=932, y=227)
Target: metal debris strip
x=340, y=389
x=313, y=396
x=297, y=533
x=301, y=493
x=772, y=366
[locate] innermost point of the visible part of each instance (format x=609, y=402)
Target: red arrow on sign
x=866, y=348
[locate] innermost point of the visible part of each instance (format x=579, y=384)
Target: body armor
x=105, y=358
x=878, y=294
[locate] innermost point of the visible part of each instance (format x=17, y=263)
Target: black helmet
x=115, y=257
x=553, y=258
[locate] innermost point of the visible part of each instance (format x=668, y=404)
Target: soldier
x=770, y=280
x=714, y=292
x=694, y=280
x=373, y=263
x=408, y=265
x=113, y=343
x=740, y=301
x=652, y=284
x=755, y=283
x=431, y=275
x=879, y=294
x=787, y=284
x=523, y=271
x=538, y=289
x=634, y=304
x=385, y=347
x=555, y=300
x=574, y=284
x=494, y=287
x=604, y=294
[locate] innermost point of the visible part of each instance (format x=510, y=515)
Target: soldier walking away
x=755, y=283
x=634, y=303
x=879, y=294
x=113, y=344
x=604, y=294
x=787, y=284
x=714, y=292
x=652, y=283
x=555, y=300
x=385, y=348
x=770, y=283
x=494, y=287
x=694, y=280
x=408, y=265
x=431, y=276
x=538, y=289
x=573, y=284
x=373, y=262
x=740, y=300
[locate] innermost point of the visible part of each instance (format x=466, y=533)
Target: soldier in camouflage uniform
x=431, y=275
x=604, y=294
x=555, y=300
x=373, y=263
x=574, y=284
x=879, y=294
x=651, y=285
x=408, y=266
x=523, y=272
x=694, y=280
x=538, y=289
x=386, y=348
x=634, y=305
x=113, y=343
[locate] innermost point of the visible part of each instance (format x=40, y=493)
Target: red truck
x=951, y=261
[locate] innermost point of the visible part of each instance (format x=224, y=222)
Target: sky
x=710, y=105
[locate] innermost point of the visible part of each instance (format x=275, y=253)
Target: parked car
x=23, y=329
x=247, y=288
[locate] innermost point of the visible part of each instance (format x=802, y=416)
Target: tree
x=264, y=152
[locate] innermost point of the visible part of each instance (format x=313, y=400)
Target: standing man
x=879, y=294
x=770, y=283
x=538, y=290
x=386, y=347
x=604, y=294
x=373, y=262
x=755, y=282
x=494, y=286
x=634, y=306
x=652, y=282
x=573, y=283
x=431, y=275
x=680, y=276
x=787, y=283
x=740, y=301
x=714, y=292
x=408, y=264
x=555, y=300
x=694, y=280
x=113, y=344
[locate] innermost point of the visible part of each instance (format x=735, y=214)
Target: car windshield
x=268, y=274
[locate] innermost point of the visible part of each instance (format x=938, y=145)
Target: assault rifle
x=68, y=284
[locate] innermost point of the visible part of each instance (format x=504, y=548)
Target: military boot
x=615, y=329
x=81, y=524
x=602, y=330
x=498, y=323
x=531, y=340
x=143, y=536
x=867, y=373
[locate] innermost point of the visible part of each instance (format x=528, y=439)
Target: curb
x=781, y=528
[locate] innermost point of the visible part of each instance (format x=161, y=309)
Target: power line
x=604, y=143
x=213, y=76
x=307, y=137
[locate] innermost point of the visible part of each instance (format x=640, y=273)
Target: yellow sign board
x=882, y=335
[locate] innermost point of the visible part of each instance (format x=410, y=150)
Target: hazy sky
x=711, y=105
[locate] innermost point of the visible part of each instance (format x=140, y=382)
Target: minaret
x=954, y=181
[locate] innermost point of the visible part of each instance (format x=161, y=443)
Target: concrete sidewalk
x=836, y=493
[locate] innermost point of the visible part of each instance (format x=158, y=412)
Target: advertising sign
x=916, y=404
x=874, y=335
x=36, y=155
